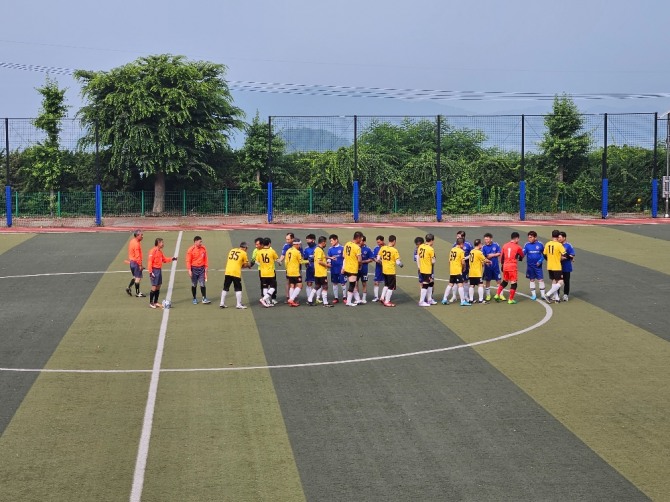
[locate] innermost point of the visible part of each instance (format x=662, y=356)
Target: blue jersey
x=566, y=265
x=467, y=247
x=336, y=257
x=533, y=254
x=493, y=248
x=366, y=254
x=378, y=266
x=308, y=254
x=286, y=247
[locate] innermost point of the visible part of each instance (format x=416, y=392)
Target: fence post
x=225, y=202
x=654, y=198
x=438, y=200
x=183, y=202
x=142, y=209
x=98, y=205
x=605, y=183
x=356, y=201
x=522, y=200
x=8, y=204
x=654, y=180
x=58, y=204
x=522, y=182
x=311, y=200
x=269, y=202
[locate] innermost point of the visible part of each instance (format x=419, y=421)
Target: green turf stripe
x=8, y=241
x=217, y=436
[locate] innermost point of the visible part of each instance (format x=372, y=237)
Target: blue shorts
x=337, y=278
x=157, y=278
x=534, y=272
x=136, y=270
x=309, y=274
x=379, y=277
x=491, y=273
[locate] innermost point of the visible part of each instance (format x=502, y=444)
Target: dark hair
x=418, y=240
x=266, y=241
x=258, y=239
x=137, y=232
x=364, y=239
x=459, y=241
x=322, y=238
x=311, y=236
x=380, y=238
x=488, y=234
x=334, y=236
x=430, y=237
x=391, y=238
x=158, y=239
x=533, y=233
x=358, y=235
x=197, y=238
x=477, y=242
x=515, y=235
x=554, y=233
x=562, y=234
x=460, y=233
x=243, y=245
x=291, y=235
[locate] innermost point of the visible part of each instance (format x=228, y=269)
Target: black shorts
x=294, y=280
x=235, y=281
x=157, y=278
x=362, y=277
x=425, y=278
x=556, y=275
x=456, y=279
x=321, y=282
x=349, y=275
x=475, y=281
x=389, y=281
x=269, y=282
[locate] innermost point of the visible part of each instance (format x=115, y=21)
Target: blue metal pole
x=654, y=198
x=269, y=202
x=605, y=196
x=98, y=205
x=356, y=201
x=522, y=200
x=438, y=200
x=8, y=204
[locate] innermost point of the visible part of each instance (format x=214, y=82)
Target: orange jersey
x=511, y=252
x=156, y=259
x=135, y=251
x=196, y=257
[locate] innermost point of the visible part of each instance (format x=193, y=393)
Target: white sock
x=389, y=292
x=471, y=293
x=324, y=296
x=238, y=296
x=480, y=292
x=461, y=294
x=376, y=289
x=422, y=297
x=223, y=297
x=429, y=294
x=383, y=295
x=446, y=293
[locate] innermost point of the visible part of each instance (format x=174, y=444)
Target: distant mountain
x=305, y=139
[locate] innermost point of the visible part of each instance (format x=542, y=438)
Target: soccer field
x=103, y=398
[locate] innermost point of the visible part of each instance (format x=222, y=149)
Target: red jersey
x=510, y=254
x=156, y=259
x=135, y=251
x=196, y=257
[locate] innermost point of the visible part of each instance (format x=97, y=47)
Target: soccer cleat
x=511, y=302
x=548, y=300
x=362, y=302
x=195, y=301
x=388, y=304
x=533, y=297
x=424, y=304
x=452, y=299
x=351, y=304
x=328, y=305
x=483, y=302
x=240, y=307
x=140, y=295
x=222, y=307
x=293, y=303
x=273, y=302
x=466, y=304
x=205, y=301
x=488, y=298
x=432, y=302
x=496, y=298
x=335, y=301
x=311, y=304
x=264, y=302
x=565, y=298
x=128, y=291
x=319, y=300
x=445, y=302
x=153, y=306
x=375, y=299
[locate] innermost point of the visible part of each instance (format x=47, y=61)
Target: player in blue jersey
x=379, y=276
x=492, y=252
x=335, y=260
x=308, y=256
x=566, y=264
x=366, y=258
x=533, y=250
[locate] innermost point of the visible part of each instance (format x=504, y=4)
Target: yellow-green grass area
x=8, y=241
x=603, y=378
x=215, y=436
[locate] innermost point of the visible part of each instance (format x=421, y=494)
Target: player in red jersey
x=511, y=253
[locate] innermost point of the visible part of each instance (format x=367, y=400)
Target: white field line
x=147, y=424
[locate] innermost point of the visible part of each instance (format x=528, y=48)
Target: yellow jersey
x=319, y=257
x=293, y=258
x=424, y=256
x=553, y=250
x=237, y=258
x=352, y=258
x=456, y=257
x=477, y=262
x=388, y=255
x=266, y=261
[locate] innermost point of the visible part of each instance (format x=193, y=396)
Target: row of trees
x=164, y=123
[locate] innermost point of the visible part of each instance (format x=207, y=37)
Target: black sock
x=157, y=293
x=193, y=290
x=137, y=287
x=203, y=290
x=132, y=281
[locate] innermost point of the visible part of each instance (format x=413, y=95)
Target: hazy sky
x=585, y=46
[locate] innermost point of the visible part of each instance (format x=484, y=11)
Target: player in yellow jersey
x=456, y=267
x=477, y=263
x=266, y=258
x=389, y=257
x=237, y=260
x=352, y=264
x=293, y=258
x=425, y=256
x=555, y=253
x=321, y=266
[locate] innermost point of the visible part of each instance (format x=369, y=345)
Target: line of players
x=475, y=265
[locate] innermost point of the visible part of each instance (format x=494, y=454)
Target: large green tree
x=160, y=115
x=565, y=144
